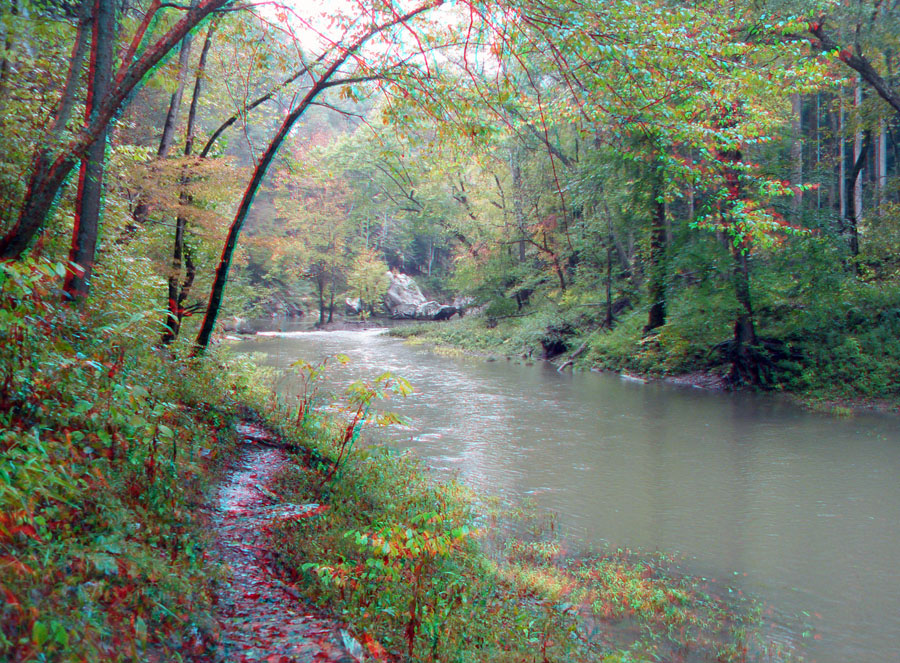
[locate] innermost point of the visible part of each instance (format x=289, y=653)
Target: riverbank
x=625, y=350
x=113, y=450
x=116, y=548
x=417, y=569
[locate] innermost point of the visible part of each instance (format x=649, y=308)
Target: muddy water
x=797, y=509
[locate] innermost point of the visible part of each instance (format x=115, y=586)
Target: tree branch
x=858, y=62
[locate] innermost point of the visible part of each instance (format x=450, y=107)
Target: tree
x=325, y=77
x=52, y=162
x=90, y=180
x=181, y=252
x=368, y=279
x=316, y=236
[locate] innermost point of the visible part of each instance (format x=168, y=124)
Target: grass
x=470, y=333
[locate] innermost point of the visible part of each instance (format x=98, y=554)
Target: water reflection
x=796, y=508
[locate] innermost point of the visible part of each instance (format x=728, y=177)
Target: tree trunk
x=744, y=367
x=860, y=149
x=609, y=306
x=176, y=294
x=859, y=63
x=881, y=166
x=190, y=272
x=90, y=184
x=518, y=202
x=854, y=193
x=168, y=134
x=656, y=273
x=842, y=164
x=70, y=90
x=167, y=138
x=797, y=150
x=52, y=168
x=218, y=288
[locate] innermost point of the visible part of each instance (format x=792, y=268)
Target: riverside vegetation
x=831, y=351
x=742, y=222
x=108, y=459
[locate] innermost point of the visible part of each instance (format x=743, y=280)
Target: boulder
x=404, y=312
x=402, y=294
x=352, y=306
x=445, y=313
x=404, y=301
x=427, y=310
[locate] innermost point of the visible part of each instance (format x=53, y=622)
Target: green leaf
x=39, y=633
x=140, y=629
x=104, y=564
x=61, y=636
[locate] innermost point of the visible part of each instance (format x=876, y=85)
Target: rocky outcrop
x=446, y=312
x=404, y=300
x=427, y=311
x=403, y=296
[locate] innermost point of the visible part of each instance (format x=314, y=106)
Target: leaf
x=39, y=633
x=139, y=392
x=60, y=635
x=104, y=564
x=140, y=628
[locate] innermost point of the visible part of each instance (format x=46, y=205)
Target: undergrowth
x=106, y=447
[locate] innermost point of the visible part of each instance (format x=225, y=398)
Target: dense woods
x=650, y=186
x=693, y=187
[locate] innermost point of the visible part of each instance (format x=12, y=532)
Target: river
x=797, y=509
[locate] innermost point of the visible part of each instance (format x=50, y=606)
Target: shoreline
x=698, y=379
x=705, y=380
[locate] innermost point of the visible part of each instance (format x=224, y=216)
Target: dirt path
x=261, y=618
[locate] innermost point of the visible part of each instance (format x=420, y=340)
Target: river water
x=797, y=509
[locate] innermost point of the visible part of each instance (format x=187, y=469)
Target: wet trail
x=262, y=618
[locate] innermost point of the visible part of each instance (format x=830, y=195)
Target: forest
x=704, y=190
x=685, y=188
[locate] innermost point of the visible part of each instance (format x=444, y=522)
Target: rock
x=404, y=312
x=445, y=313
x=427, y=310
x=403, y=293
x=405, y=301
x=352, y=306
